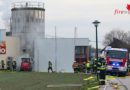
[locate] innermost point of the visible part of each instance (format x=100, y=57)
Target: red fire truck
x=116, y=59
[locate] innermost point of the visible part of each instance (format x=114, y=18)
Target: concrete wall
x=61, y=50
x=12, y=48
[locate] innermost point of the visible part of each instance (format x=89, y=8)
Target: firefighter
x=94, y=68
x=95, y=65
x=88, y=66
x=2, y=64
x=50, y=66
x=84, y=67
x=102, y=73
x=11, y=65
x=78, y=67
x=14, y=64
x=75, y=67
x=98, y=68
x=81, y=67
x=8, y=65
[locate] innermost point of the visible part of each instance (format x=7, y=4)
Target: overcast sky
x=66, y=14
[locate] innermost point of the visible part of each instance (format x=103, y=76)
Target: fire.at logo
x=123, y=11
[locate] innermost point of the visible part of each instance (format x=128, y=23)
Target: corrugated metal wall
x=45, y=51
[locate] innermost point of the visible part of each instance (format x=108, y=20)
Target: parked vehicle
x=26, y=64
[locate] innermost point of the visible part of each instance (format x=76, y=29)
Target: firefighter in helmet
x=88, y=66
x=102, y=71
x=50, y=66
x=75, y=67
x=2, y=64
x=8, y=65
x=14, y=64
x=84, y=67
x=95, y=65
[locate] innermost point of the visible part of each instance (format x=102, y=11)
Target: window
x=77, y=50
x=25, y=59
x=83, y=50
x=80, y=49
x=81, y=53
x=116, y=54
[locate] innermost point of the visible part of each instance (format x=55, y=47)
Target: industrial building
x=28, y=34
x=28, y=23
x=12, y=49
x=62, y=52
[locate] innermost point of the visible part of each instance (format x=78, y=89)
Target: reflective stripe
x=102, y=68
x=93, y=88
x=99, y=63
x=88, y=64
x=14, y=59
x=101, y=79
x=89, y=78
x=98, y=68
x=50, y=65
x=116, y=86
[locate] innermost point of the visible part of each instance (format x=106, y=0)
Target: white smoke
x=29, y=26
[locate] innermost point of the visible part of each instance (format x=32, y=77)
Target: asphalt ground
x=122, y=83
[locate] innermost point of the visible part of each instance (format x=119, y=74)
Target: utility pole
x=55, y=50
x=75, y=35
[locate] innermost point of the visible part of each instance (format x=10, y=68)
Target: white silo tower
x=28, y=23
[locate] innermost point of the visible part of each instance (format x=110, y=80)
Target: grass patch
x=39, y=81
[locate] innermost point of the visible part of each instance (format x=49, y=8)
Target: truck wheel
x=124, y=74
x=119, y=74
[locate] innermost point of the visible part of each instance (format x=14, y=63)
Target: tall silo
x=28, y=23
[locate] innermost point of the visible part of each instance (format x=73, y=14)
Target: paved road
x=124, y=84
x=126, y=81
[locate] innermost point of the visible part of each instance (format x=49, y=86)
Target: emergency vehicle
x=26, y=64
x=116, y=59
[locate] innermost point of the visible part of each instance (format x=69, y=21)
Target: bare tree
x=128, y=37
x=121, y=35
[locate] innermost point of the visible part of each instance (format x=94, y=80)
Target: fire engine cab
x=116, y=59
